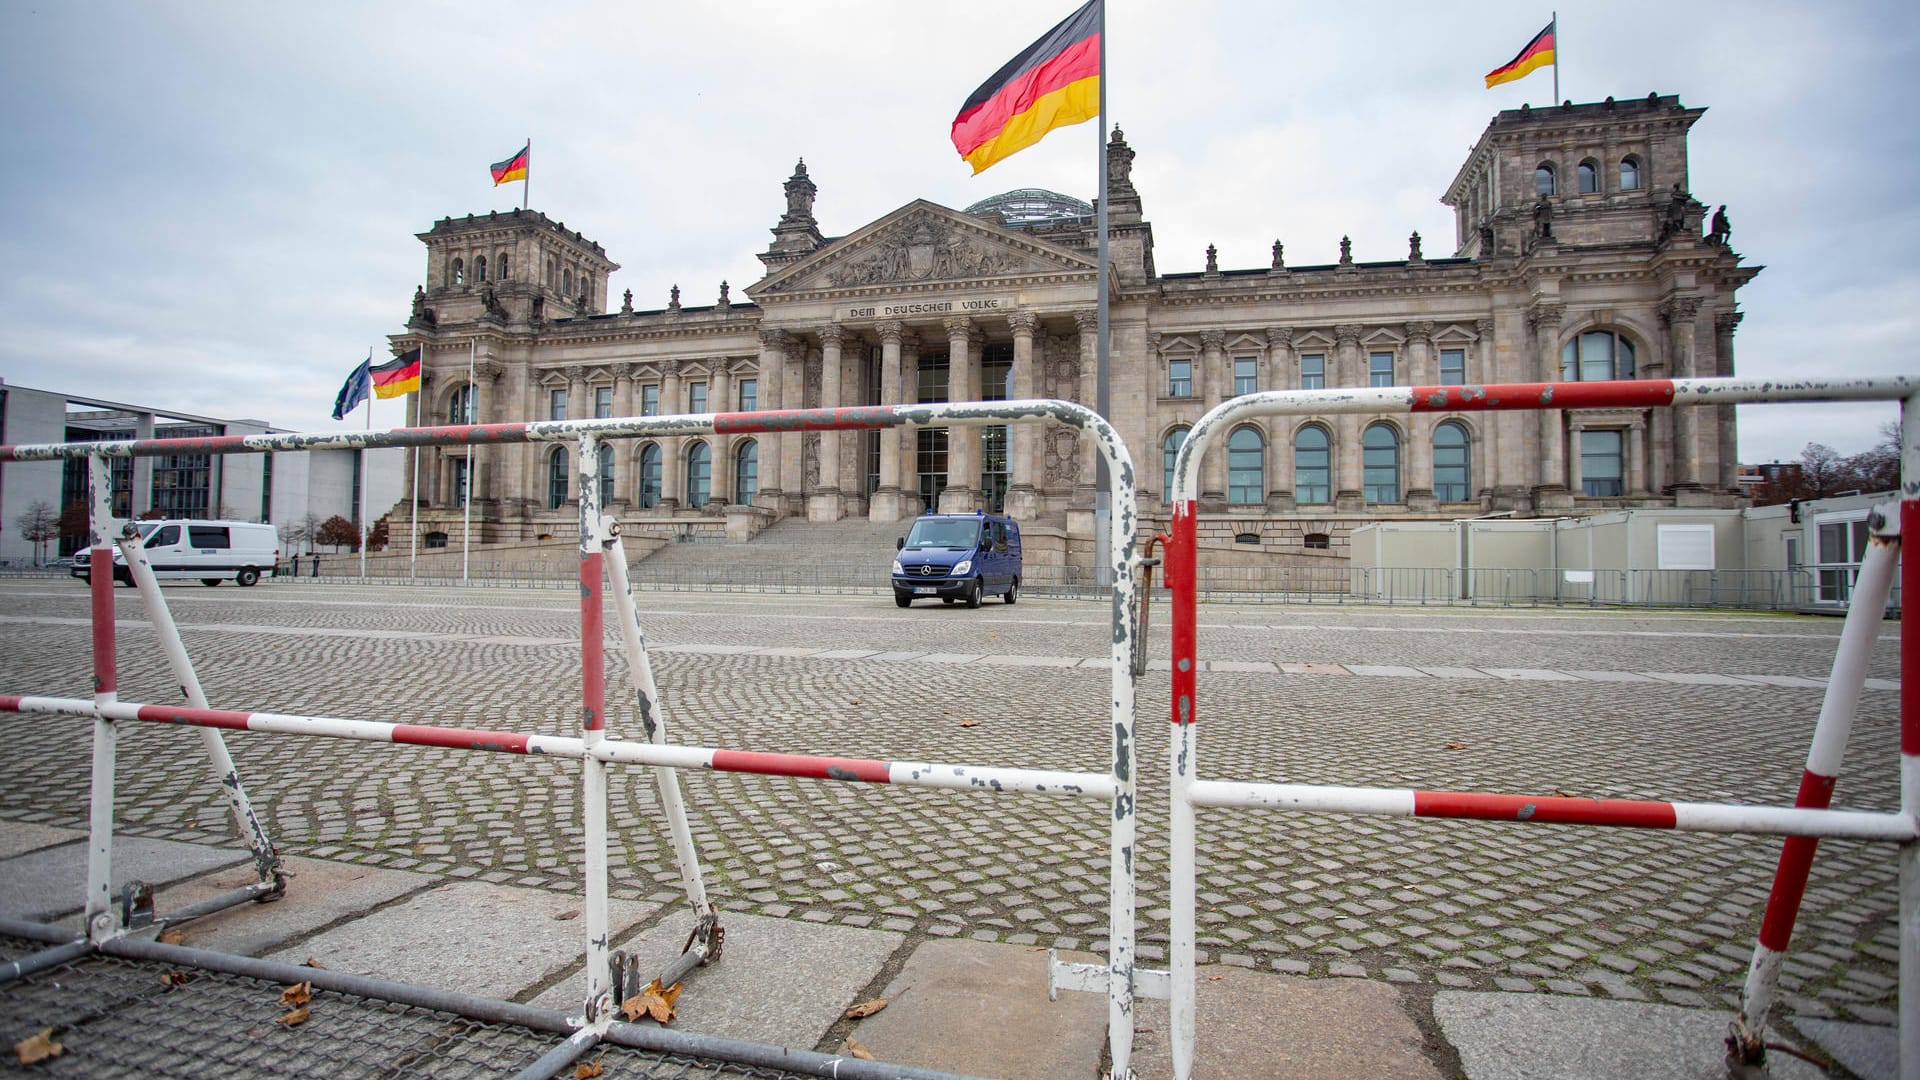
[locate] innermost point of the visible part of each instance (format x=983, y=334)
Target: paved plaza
x=1701, y=707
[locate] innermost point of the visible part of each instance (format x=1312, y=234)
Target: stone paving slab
x=1456, y=673
x=1793, y=680
x=778, y=981
x=44, y=884
x=1529, y=674
x=18, y=838
x=319, y=892
x=1702, y=678
x=1387, y=671
x=1032, y=661
x=492, y=940
x=1868, y=1051
x=1252, y=1024
x=1613, y=676
x=1536, y=1037
x=981, y=1009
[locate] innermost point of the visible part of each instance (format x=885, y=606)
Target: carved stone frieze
x=1419, y=331
x=926, y=249
x=1346, y=334
x=1062, y=457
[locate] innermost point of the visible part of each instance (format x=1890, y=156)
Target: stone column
x=1023, y=501
x=482, y=486
x=887, y=504
x=673, y=478
x=1214, y=380
x=1724, y=324
x=828, y=502
x=773, y=351
x=793, y=392
x=1348, y=474
x=962, y=493
x=1087, y=322
x=1576, y=479
x=1683, y=455
x=909, y=437
x=1281, y=374
x=1550, y=484
x=1421, y=369
x=719, y=400
x=1637, y=458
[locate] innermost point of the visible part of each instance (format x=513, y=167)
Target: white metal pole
x=363, y=479
x=466, y=489
x=100, y=921
x=413, y=501
x=1556, y=58
x=594, y=731
x=1909, y=857
x=1102, y=506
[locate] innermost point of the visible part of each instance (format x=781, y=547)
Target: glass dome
x=1028, y=207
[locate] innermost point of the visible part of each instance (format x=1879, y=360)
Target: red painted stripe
x=1910, y=586
x=819, y=768
x=982, y=125
x=1816, y=791
x=9, y=703
x=505, y=742
x=1631, y=813
x=1086, y=20
x=215, y=718
x=1789, y=885
x=1183, y=582
x=105, y=677
x=1625, y=394
x=593, y=664
x=1542, y=43
x=212, y=444
x=849, y=418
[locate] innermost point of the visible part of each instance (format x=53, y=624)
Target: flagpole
x=1556, y=58
x=363, y=480
x=1102, y=508
x=413, y=500
x=466, y=494
x=526, y=174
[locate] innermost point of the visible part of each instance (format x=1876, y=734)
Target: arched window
x=1316, y=541
x=1597, y=355
x=1629, y=174
x=606, y=475
x=500, y=262
x=699, y=474
x=650, y=475
x=557, y=478
x=1543, y=179
x=1589, y=175
x=459, y=274
x=746, y=472
x=479, y=268
x=460, y=406
x=1312, y=465
x=1246, y=467
x=1169, y=450
x=1380, y=450
x=1452, y=462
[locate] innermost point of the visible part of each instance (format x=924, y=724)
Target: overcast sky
x=211, y=206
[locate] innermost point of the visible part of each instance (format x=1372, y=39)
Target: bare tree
x=38, y=525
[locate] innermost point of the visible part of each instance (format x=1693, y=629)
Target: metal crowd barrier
x=1802, y=824
x=602, y=560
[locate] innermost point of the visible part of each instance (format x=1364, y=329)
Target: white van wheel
x=247, y=576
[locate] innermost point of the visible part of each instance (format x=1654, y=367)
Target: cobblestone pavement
x=1704, y=707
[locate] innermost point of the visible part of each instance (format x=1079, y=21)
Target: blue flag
x=353, y=391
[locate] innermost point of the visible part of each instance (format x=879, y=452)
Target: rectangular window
x=1453, y=367
x=1380, y=369
x=1313, y=371
x=650, y=400
x=1600, y=463
x=1245, y=375
x=602, y=402
x=207, y=536
x=1179, y=378
x=749, y=395
x=697, y=397
x=556, y=404
x=459, y=481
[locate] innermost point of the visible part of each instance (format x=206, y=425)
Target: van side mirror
x=899, y=543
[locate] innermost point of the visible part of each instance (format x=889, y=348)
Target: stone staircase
x=851, y=553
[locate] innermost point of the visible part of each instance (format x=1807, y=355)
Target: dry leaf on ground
x=865, y=1009
x=175, y=978
x=565, y=915
x=1456, y=746
x=173, y=937
x=861, y=1052
x=294, y=1018
x=653, y=1002
x=297, y=994
x=312, y=963
x=37, y=1048
x=969, y=723
x=587, y=1070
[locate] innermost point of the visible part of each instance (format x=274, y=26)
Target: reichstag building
x=1578, y=253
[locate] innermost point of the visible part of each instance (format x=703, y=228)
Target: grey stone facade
x=1578, y=253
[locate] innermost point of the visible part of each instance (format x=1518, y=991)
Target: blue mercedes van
x=958, y=557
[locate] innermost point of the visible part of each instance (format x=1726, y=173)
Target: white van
x=211, y=551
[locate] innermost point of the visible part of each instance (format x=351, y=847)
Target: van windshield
x=943, y=534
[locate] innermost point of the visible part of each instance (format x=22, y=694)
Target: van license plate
x=926, y=590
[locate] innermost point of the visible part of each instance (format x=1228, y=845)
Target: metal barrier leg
x=265, y=859
x=1746, y=1038
x=1182, y=566
x=593, y=721
x=707, y=934
x=100, y=922
x=1909, y=863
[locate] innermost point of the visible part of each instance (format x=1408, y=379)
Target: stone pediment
x=920, y=244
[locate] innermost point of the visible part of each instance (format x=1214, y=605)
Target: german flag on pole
x=1537, y=54
x=400, y=375
x=1054, y=83
x=514, y=168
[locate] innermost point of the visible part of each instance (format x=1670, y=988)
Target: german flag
x=1054, y=83
x=400, y=375
x=1537, y=54
x=514, y=168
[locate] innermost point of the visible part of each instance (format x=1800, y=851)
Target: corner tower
x=514, y=268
